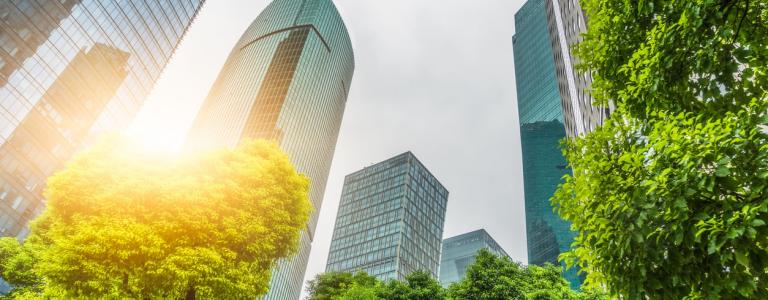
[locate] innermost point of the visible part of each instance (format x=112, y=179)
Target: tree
x=418, y=285
x=669, y=196
x=331, y=285
x=16, y=267
x=124, y=224
x=345, y=286
x=488, y=278
x=359, y=292
x=491, y=277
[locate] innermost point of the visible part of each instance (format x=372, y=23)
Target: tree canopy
x=361, y=286
x=489, y=278
x=669, y=196
x=332, y=285
x=121, y=224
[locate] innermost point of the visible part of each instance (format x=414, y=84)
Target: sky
x=435, y=77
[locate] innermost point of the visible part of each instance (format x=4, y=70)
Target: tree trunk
x=190, y=293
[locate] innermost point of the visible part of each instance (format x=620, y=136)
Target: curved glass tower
x=287, y=79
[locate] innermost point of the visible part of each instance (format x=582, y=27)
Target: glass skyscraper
x=460, y=251
x=390, y=220
x=287, y=80
x=541, y=130
x=566, y=24
x=69, y=68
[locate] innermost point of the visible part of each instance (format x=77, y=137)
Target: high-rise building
x=32, y=38
x=566, y=23
x=541, y=130
x=69, y=68
x=390, y=220
x=286, y=79
x=460, y=251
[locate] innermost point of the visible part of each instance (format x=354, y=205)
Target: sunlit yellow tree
x=122, y=224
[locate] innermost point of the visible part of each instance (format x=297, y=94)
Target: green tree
x=361, y=286
x=488, y=278
x=669, y=196
x=359, y=292
x=491, y=277
x=16, y=267
x=125, y=224
x=419, y=285
x=332, y=285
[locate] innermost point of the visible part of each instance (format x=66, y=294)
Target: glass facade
x=68, y=69
x=460, y=251
x=566, y=24
x=541, y=130
x=286, y=79
x=390, y=220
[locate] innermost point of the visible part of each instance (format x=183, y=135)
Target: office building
x=70, y=69
x=287, y=80
x=390, y=220
x=541, y=130
x=459, y=252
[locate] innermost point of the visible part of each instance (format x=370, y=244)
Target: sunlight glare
x=152, y=135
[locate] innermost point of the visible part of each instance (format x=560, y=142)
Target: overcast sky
x=434, y=77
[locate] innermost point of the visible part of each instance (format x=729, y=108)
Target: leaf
x=722, y=171
x=734, y=232
x=680, y=203
x=712, y=247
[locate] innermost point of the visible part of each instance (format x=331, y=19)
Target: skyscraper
x=541, y=130
x=390, y=220
x=33, y=38
x=460, y=251
x=566, y=23
x=286, y=79
x=69, y=68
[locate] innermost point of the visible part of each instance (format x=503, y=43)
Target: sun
x=157, y=132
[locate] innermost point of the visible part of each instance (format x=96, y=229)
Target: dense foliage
x=122, y=224
x=488, y=278
x=491, y=277
x=16, y=266
x=361, y=286
x=670, y=196
x=332, y=285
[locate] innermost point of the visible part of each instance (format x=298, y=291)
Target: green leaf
x=734, y=232
x=712, y=247
x=638, y=237
x=722, y=171
x=680, y=203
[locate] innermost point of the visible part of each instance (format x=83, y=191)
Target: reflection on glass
x=541, y=130
x=69, y=68
x=286, y=79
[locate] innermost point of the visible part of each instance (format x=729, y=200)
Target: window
x=24, y=33
x=17, y=202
